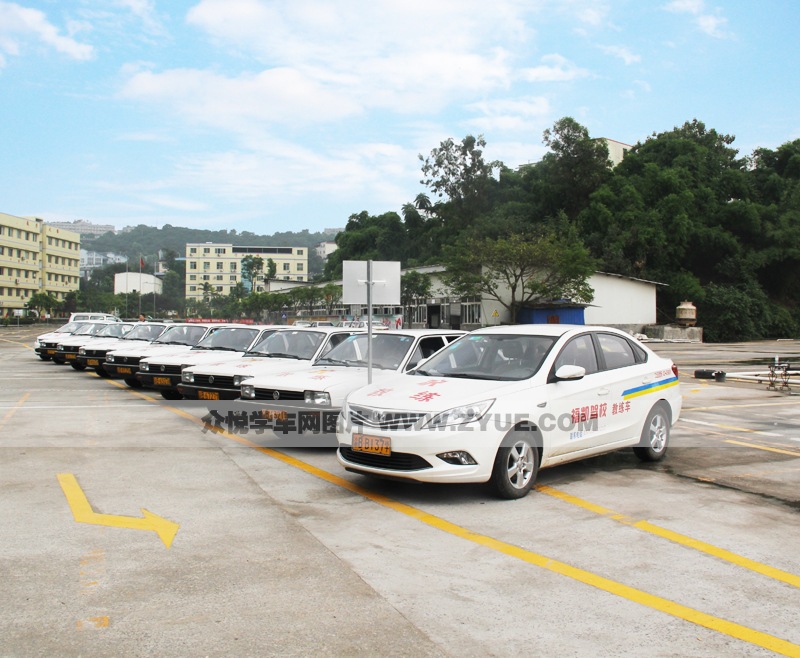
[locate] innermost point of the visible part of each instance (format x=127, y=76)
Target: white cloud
x=711, y=24
x=554, y=68
x=145, y=11
x=18, y=23
x=622, y=53
x=508, y=115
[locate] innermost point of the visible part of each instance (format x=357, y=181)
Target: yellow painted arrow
x=83, y=513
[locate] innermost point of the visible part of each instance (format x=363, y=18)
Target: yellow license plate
x=270, y=414
x=161, y=381
x=49, y=351
x=124, y=371
x=377, y=445
x=207, y=395
x=70, y=357
x=92, y=362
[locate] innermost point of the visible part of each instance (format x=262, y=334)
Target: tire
x=169, y=394
x=704, y=374
x=78, y=366
x=515, y=467
x=102, y=373
x=44, y=357
x=133, y=382
x=654, y=441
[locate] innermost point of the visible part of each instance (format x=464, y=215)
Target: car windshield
x=181, y=336
x=236, y=339
x=90, y=329
x=388, y=351
x=147, y=332
x=289, y=344
x=115, y=330
x=502, y=357
x=69, y=328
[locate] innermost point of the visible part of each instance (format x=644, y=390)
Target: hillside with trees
x=683, y=208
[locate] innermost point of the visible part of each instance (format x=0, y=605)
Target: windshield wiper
x=334, y=362
x=282, y=355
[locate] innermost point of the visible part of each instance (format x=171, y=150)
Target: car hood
x=193, y=357
x=151, y=350
x=416, y=393
x=340, y=379
x=252, y=366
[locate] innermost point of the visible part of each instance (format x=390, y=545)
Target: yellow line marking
x=658, y=603
x=652, y=601
x=678, y=538
x=14, y=409
x=760, y=447
x=83, y=513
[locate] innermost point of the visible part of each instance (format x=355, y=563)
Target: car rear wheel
x=655, y=436
x=515, y=467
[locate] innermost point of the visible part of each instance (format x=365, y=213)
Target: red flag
x=141, y=263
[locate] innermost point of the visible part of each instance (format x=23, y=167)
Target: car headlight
x=248, y=392
x=468, y=413
x=37, y=343
x=317, y=397
x=109, y=358
x=238, y=379
x=81, y=350
x=187, y=377
x=144, y=366
x=60, y=347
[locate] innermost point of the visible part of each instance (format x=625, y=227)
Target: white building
x=141, y=282
x=325, y=249
x=91, y=260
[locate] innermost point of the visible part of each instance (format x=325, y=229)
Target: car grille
x=50, y=346
x=156, y=369
x=96, y=352
x=269, y=394
x=397, y=461
x=220, y=381
x=72, y=349
x=127, y=360
x=384, y=420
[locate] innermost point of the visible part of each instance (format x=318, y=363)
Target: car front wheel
x=655, y=436
x=78, y=366
x=515, y=467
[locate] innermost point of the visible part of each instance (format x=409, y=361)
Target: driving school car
x=321, y=389
x=45, y=345
x=91, y=333
x=281, y=351
x=124, y=363
x=228, y=342
x=94, y=355
x=502, y=402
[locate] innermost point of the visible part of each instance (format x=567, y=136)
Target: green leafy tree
x=43, y=303
x=414, y=287
x=332, y=294
x=272, y=269
x=252, y=269
x=521, y=269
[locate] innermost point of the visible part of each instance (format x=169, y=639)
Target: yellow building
x=220, y=266
x=35, y=258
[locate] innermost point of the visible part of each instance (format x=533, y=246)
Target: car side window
x=578, y=352
x=617, y=352
x=426, y=347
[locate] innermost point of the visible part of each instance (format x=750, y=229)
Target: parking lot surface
x=129, y=529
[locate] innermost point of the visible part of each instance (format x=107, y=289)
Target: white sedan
x=502, y=402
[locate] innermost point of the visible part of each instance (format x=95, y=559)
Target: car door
x=575, y=418
x=626, y=371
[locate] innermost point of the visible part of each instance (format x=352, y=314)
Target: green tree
x=43, y=303
x=414, y=287
x=252, y=269
x=521, y=269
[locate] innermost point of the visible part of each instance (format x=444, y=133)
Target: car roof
x=544, y=329
x=415, y=332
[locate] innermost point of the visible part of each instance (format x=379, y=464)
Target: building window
x=286, y=267
x=192, y=277
x=192, y=288
x=192, y=265
x=206, y=250
x=206, y=265
x=299, y=252
x=233, y=267
x=192, y=250
x=219, y=277
x=220, y=265
x=471, y=313
x=219, y=288
x=219, y=250
x=233, y=277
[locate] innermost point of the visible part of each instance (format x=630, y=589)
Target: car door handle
x=602, y=391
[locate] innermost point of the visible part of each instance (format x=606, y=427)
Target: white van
x=93, y=317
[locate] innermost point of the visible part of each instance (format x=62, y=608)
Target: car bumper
x=192, y=392
x=412, y=455
x=158, y=380
x=120, y=370
x=89, y=361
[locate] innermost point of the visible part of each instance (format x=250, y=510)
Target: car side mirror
x=570, y=373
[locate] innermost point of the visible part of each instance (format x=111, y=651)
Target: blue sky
x=271, y=116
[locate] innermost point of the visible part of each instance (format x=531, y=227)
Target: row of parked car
x=493, y=405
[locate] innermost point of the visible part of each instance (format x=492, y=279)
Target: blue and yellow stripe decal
x=660, y=385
